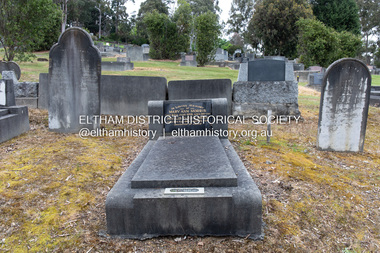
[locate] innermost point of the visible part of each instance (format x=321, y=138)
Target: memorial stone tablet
x=2, y=93
x=189, y=115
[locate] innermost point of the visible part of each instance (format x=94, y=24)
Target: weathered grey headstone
x=344, y=106
x=43, y=91
x=315, y=81
x=3, y=97
x=188, y=60
x=74, y=82
x=8, y=82
x=145, y=48
x=10, y=66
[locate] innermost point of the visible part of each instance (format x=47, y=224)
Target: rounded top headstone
x=10, y=66
x=347, y=64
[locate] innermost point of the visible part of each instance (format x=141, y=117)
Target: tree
x=274, y=23
x=322, y=45
x=161, y=6
x=369, y=14
x=25, y=24
x=199, y=7
x=342, y=15
x=207, y=30
x=163, y=36
x=184, y=21
x=240, y=14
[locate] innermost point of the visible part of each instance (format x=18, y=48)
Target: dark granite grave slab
x=221, y=211
x=266, y=70
x=185, y=162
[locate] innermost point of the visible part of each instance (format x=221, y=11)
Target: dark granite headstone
x=201, y=89
x=74, y=82
x=266, y=70
x=344, y=106
x=10, y=66
x=187, y=114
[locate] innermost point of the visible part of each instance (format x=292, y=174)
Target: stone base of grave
x=117, y=66
x=256, y=98
x=14, y=120
x=185, y=186
x=188, y=64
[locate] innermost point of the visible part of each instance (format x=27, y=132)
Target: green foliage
x=274, y=22
x=207, y=30
x=26, y=26
x=147, y=7
x=199, y=7
x=322, y=45
x=224, y=44
x=184, y=21
x=342, y=15
x=231, y=49
x=240, y=14
x=163, y=36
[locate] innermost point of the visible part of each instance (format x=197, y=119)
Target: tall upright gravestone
x=74, y=82
x=344, y=106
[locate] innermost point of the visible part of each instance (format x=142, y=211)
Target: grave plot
x=181, y=185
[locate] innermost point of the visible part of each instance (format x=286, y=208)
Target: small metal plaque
x=187, y=191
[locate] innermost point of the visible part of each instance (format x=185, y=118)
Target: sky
x=224, y=5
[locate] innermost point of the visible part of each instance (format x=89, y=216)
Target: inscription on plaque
x=189, y=58
x=187, y=191
x=187, y=115
x=3, y=98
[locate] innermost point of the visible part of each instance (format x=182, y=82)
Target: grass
x=375, y=80
x=53, y=186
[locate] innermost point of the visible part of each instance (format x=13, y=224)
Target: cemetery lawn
x=53, y=186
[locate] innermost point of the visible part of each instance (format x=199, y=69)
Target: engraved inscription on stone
x=187, y=191
x=191, y=116
x=3, y=98
x=189, y=58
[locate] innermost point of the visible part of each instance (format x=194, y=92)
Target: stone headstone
x=10, y=66
x=3, y=97
x=201, y=89
x=129, y=95
x=74, y=82
x=182, y=112
x=266, y=70
x=9, y=80
x=135, y=53
x=344, y=106
x=189, y=117
x=315, y=68
x=189, y=58
x=145, y=48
